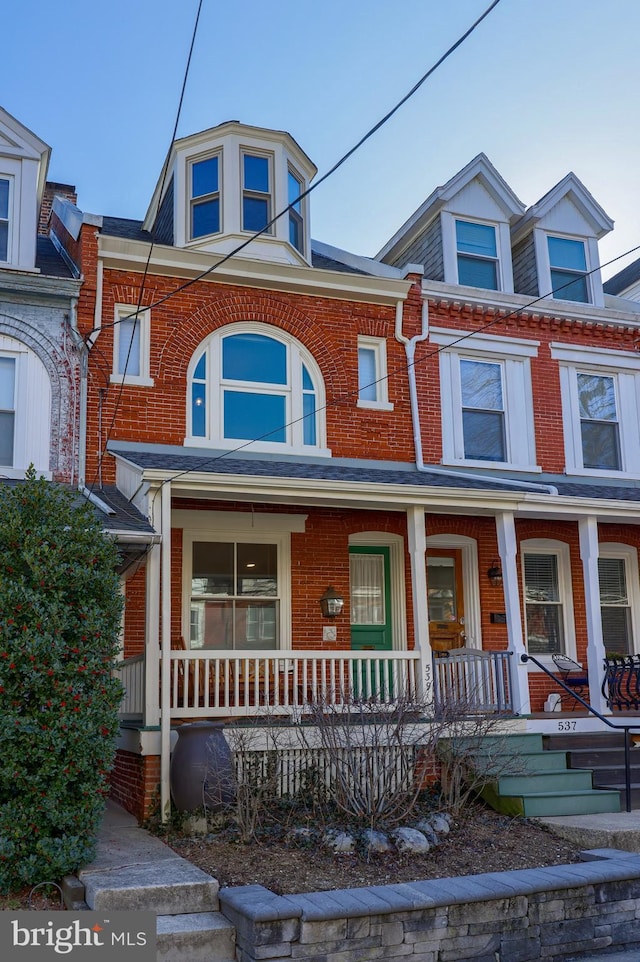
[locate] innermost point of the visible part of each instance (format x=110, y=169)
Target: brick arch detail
x=61, y=377
x=237, y=308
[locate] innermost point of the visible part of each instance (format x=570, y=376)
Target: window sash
x=568, y=269
x=256, y=193
x=483, y=416
x=599, y=427
x=544, y=610
x=367, y=374
x=615, y=606
x=205, y=197
x=129, y=347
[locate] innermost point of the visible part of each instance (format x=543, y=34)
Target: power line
x=398, y=370
x=267, y=227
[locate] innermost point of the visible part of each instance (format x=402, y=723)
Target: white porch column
x=589, y=551
x=165, y=719
x=151, y=715
x=507, y=548
x=417, y=538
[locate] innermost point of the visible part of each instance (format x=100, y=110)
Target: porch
x=217, y=684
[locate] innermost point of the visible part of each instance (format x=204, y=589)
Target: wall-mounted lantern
x=331, y=603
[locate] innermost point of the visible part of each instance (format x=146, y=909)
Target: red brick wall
x=327, y=327
x=135, y=781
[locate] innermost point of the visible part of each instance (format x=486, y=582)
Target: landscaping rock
x=410, y=841
x=376, y=843
x=441, y=823
x=339, y=842
x=425, y=826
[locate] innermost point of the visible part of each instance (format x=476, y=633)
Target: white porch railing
x=131, y=674
x=474, y=681
x=210, y=684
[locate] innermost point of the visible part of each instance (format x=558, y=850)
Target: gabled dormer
x=24, y=159
x=555, y=245
x=224, y=184
x=461, y=233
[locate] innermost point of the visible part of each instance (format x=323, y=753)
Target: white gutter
x=410, y=348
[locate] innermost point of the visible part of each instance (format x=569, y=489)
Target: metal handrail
x=594, y=711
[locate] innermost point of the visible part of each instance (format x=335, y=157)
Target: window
x=205, y=196
x=7, y=409
x=483, y=417
x=234, y=595
x=4, y=219
x=256, y=192
x=598, y=421
x=487, y=404
x=131, y=345
x=548, y=603
x=568, y=266
x=25, y=410
x=296, y=223
x=372, y=373
x=600, y=402
x=249, y=384
x=614, y=605
x=477, y=255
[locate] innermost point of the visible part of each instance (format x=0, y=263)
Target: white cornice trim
x=523, y=304
x=125, y=254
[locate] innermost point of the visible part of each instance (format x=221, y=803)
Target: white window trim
x=144, y=320
x=271, y=193
x=624, y=367
x=215, y=439
x=237, y=527
x=561, y=550
x=189, y=162
x=302, y=214
x=592, y=258
x=10, y=219
x=513, y=354
x=32, y=411
x=470, y=582
x=629, y=554
x=379, y=346
x=450, y=249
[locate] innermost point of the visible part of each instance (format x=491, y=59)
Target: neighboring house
x=39, y=341
x=298, y=423
x=626, y=283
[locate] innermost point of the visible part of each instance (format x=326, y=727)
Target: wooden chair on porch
x=573, y=675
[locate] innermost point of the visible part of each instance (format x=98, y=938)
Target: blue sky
x=542, y=87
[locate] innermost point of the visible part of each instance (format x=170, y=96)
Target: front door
x=445, y=598
x=370, y=599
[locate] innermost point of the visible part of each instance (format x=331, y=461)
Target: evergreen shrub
x=60, y=609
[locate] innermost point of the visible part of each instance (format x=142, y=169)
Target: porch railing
x=131, y=674
x=209, y=684
x=621, y=682
x=473, y=681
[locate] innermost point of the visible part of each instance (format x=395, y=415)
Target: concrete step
x=553, y=781
x=195, y=937
x=573, y=740
x=559, y=803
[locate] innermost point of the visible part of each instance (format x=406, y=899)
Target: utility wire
x=425, y=356
x=136, y=315
x=267, y=227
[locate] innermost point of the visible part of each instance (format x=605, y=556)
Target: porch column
x=151, y=716
x=165, y=580
x=507, y=548
x=417, y=537
x=589, y=550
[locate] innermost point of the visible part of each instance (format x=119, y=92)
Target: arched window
x=248, y=382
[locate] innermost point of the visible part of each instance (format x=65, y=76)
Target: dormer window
x=477, y=255
x=4, y=219
x=256, y=192
x=205, y=197
x=296, y=224
x=568, y=266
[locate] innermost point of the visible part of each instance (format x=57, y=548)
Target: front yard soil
x=481, y=841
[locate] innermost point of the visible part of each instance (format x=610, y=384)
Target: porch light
x=494, y=574
x=331, y=603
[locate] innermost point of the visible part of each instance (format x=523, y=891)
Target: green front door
x=370, y=603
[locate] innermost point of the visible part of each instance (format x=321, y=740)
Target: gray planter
x=202, y=768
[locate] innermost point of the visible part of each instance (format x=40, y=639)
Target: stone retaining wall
x=525, y=916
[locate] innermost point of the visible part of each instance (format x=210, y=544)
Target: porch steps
x=603, y=753
x=522, y=781
x=133, y=870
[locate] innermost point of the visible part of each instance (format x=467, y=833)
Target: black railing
x=621, y=684
x=626, y=729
